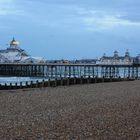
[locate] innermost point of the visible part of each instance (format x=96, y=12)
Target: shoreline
x=89, y=111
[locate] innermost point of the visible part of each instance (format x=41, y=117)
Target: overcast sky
x=71, y=29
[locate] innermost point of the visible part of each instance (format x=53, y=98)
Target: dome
x=14, y=43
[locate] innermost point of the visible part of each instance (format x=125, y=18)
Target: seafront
x=86, y=112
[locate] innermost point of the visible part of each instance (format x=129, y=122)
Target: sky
x=71, y=29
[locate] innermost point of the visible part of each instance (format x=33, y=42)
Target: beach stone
x=80, y=112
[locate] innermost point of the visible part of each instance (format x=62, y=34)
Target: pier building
x=137, y=59
x=15, y=54
x=116, y=59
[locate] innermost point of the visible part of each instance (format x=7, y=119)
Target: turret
x=116, y=54
x=127, y=53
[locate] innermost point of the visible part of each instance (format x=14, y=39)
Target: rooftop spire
x=13, y=39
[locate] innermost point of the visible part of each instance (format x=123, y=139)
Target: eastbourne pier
x=70, y=70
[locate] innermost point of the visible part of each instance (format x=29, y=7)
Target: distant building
x=86, y=61
x=116, y=59
x=137, y=59
x=14, y=54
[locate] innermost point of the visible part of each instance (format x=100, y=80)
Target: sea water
x=17, y=80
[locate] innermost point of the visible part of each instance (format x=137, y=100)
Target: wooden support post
x=74, y=80
x=69, y=71
x=88, y=80
x=37, y=83
x=5, y=86
x=81, y=80
x=110, y=78
x=56, y=72
x=62, y=81
x=95, y=79
x=128, y=72
x=137, y=73
x=110, y=72
x=68, y=81
x=49, y=82
x=31, y=84
x=97, y=71
x=74, y=71
x=26, y=83
x=10, y=85
x=65, y=71
x=55, y=82
x=93, y=71
x=43, y=83
x=124, y=72
x=16, y=85
x=103, y=79
x=119, y=78
x=20, y=85
x=51, y=71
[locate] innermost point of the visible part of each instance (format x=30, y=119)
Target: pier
x=67, y=74
x=70, y=70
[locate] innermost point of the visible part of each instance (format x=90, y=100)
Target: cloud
x=104, y=20
x=9, y=7
x=70, y=15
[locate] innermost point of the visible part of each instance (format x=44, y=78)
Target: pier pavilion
x=116, y=59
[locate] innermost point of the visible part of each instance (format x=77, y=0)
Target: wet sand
x=104, y=111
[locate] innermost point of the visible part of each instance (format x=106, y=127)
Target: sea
x=17, y=80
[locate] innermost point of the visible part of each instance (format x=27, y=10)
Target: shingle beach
x=103, y=111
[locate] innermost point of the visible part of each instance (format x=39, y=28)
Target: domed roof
x=14, y=42
x=115, y=51
x=116, y=54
